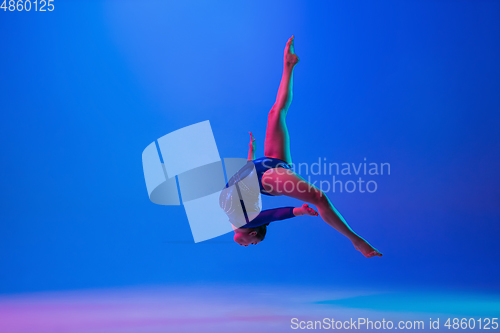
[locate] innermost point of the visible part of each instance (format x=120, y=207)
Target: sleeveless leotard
x=265, y=216
x=265, y=163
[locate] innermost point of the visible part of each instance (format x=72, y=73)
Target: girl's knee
x=278, y=112
x=319, y=198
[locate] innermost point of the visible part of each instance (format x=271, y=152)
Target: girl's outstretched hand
x=252, y=148
x=304, y=210
x=253, y=145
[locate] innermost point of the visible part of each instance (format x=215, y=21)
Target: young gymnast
x=276, y=177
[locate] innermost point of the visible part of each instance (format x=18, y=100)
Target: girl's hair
x=261, y=231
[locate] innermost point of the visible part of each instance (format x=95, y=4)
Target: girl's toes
x=374, y=254
x=313, y=212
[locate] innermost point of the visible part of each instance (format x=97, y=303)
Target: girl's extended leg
x=277, y=142
x=281, y=181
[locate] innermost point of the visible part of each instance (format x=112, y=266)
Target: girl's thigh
x=280, y=181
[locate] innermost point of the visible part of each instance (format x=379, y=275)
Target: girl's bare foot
x=366, y=249
x=304, y=210
x=290, y=58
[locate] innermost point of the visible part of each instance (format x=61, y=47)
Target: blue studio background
x=84, y=89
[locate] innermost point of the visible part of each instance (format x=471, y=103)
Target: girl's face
x=246, y=238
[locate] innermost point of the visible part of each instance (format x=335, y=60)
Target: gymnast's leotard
x=261, y=165
x=265, y=163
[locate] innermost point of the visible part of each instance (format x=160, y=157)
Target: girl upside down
x=274, y=171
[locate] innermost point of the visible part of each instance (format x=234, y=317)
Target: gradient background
x=84, y=89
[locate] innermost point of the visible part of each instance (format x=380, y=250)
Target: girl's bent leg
x=281, y=181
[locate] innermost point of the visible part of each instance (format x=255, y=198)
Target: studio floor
x=245, y=308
